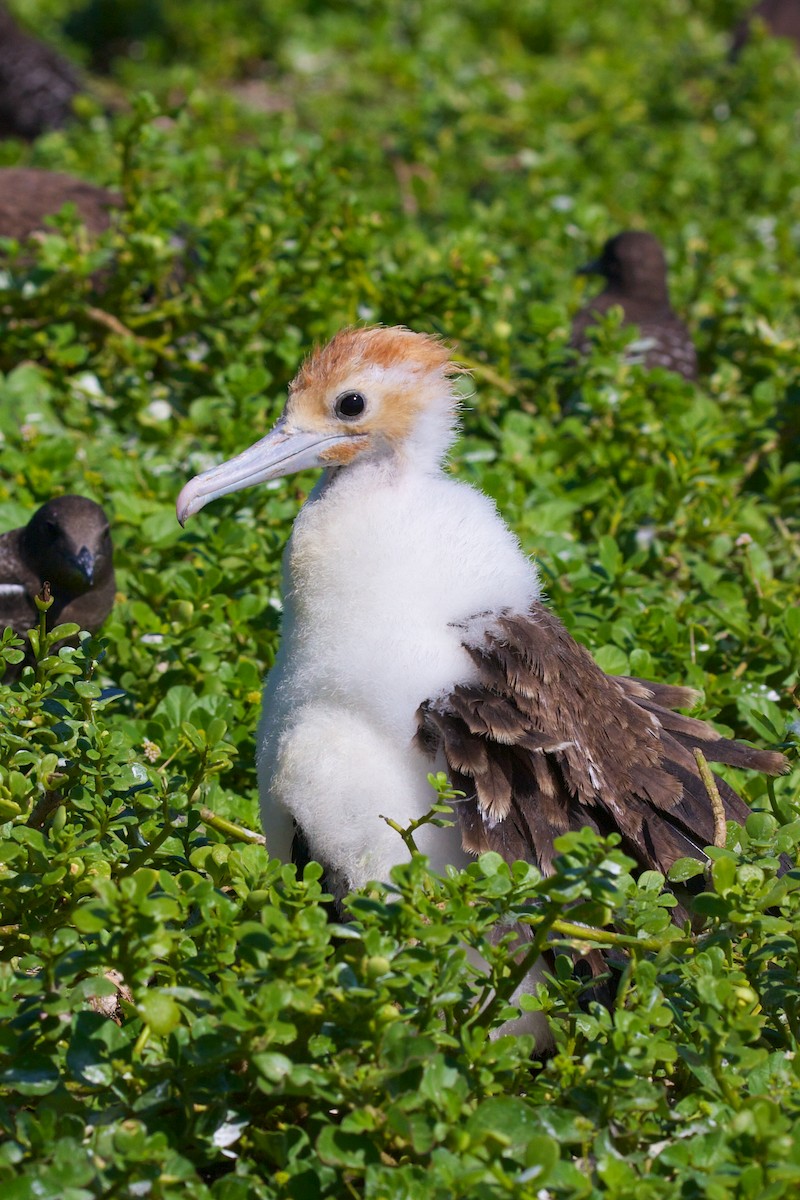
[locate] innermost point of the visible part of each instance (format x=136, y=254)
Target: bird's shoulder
x=18, y=586
x=13, y=566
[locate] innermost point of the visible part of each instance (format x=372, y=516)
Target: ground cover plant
x=180, y=1015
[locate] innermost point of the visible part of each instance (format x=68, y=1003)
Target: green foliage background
x=288, y=168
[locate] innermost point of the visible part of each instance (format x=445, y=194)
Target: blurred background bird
x=415, y=639
x=28, y=196
x=781, y=18
x=67, y=543
x=37, y=84
x=635, y=270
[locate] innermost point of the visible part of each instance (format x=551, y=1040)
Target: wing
x=543, y=742
x=672, y=346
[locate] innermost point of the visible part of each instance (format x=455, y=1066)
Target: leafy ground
x=180, y=1017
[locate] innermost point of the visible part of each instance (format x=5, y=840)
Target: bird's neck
x=649, y=292
x=388, y=468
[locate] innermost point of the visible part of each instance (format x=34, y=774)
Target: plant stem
x=607, y=937
x=231, y=830
x=720, y=825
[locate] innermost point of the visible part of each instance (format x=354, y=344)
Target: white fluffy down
x=341, y=776
x=385, y=561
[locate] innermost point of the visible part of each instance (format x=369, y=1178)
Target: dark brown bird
x=635, y=271
x=28, y=196
x=37, y=85
x=781, y=18
x=67, y=543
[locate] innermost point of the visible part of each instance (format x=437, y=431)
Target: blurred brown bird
x=67, y=543
x=635, y=270
x=781, y=18
x=28, y=196
x=37, y=85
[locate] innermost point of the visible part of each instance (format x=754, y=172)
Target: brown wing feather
x=543, y=741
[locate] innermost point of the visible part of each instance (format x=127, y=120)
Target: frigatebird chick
x=635, y=271
x=67, y=543
x=415, y=639
x=37, y=85
x=28, y=196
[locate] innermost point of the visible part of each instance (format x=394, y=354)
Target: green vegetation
x=180, y=1017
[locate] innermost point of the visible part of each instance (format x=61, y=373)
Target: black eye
x=349, y=405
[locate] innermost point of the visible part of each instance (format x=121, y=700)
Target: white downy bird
x=414, y=639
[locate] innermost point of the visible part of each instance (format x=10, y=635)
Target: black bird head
x=68, y=542
x=633, y=263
